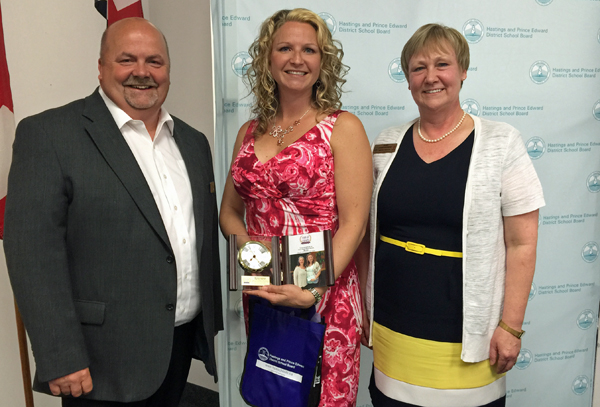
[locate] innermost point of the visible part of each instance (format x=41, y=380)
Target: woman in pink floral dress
x=302, y=166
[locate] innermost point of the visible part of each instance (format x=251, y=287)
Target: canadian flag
x=7, y=126
x=115, y=10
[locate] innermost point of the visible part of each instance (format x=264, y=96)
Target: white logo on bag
x=263, y=354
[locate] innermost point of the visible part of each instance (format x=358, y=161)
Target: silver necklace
x=278, y=133
x=444, y=136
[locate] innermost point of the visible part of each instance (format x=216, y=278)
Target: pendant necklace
x=278, y=133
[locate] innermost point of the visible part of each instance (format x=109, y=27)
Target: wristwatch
x=254, y=256
x=514, y=332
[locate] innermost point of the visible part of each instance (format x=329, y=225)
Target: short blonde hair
x=435, y=37
x=327, y=90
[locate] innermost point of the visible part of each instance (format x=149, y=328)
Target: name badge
x=384, y=148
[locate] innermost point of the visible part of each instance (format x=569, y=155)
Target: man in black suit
x=111, y=235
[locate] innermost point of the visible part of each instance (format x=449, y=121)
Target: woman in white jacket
x=300, y=273
x=453, y=239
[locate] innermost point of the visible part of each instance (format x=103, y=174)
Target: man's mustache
x=137, y=81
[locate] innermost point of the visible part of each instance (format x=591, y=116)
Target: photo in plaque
x=307, y=260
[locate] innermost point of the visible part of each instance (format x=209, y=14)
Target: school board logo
x=305, y=239
x=330, y=21
x=473, y=30
x=589, y=253
x=536, y=147
x=539, y=72
x=395, y=71
x=532, y=292
x=543, y=2
x=524, y=359
x=240, y=63
x=263, y=354
x=471, y=107
x=239, y=309
x=596, y=110
x=586, y=319
x=593, y=181
x=580, y=385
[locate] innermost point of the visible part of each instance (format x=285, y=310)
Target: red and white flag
x=115, y=10
x=7, y=126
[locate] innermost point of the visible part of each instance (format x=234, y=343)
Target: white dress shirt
x=166, y=175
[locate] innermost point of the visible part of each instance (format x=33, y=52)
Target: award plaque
x=304, y=260
x=253, y=261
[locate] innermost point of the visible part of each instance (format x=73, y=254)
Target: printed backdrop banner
x=534, y=64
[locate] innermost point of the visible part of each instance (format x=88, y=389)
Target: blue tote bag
x=283, y=359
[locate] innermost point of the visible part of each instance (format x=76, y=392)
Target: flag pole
x=24, y=354
x=6, y=100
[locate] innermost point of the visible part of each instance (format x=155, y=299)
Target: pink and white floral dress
x=294, y=193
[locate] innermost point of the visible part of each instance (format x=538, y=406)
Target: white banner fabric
x=534, y=64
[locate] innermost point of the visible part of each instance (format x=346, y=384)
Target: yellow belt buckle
x=415, y=247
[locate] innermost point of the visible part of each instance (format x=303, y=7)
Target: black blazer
x=89, y=258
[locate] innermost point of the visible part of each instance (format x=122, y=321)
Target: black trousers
x=170, y=391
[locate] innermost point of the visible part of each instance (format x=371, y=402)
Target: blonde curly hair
x=327, y=91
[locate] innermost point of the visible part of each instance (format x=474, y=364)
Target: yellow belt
x=419, y=248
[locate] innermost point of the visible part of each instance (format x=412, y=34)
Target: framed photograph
x=253, y=261
x=307, y=260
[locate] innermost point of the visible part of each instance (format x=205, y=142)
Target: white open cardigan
x=501, y=182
